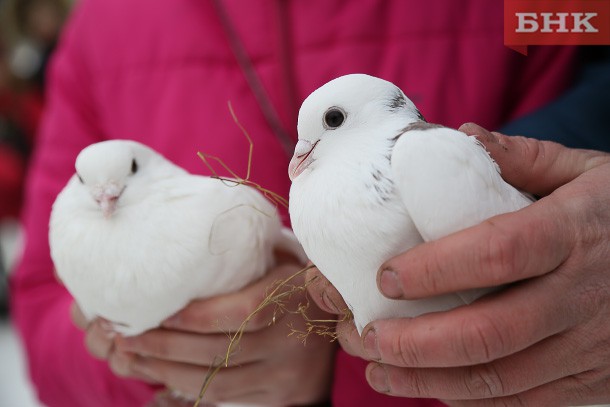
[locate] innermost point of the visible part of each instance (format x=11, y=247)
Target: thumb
x=535, y=166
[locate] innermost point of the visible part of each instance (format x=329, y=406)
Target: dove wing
x=448, y=181
x=244, y=227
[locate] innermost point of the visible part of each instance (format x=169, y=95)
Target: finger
x=573, y=390
x=169, y=399
x=323, y=293
x=486, y=330
x=78, y=318
x=99, y=338
x=182, y=377
x=546, y=361
x=178, y=346
x=348, y=337
x=234, y=384
x=532, y=165
x=121, y=364
x=501, y=250
x=195, y=349
x=481, y=133
x=226, y=313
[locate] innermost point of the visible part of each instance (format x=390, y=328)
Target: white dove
x=134, y=238
x=371, y=179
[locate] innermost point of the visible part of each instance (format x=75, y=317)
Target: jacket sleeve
x=580, y=118
x=60, y=367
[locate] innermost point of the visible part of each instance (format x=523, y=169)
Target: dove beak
x=108, y=205
x=301, y=159
x=107, y=196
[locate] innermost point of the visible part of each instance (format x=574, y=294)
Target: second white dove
x=134, y=238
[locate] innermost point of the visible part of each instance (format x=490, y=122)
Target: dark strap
x=254, y=82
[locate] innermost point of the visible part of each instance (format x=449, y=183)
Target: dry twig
x=207, y=158
x=283, y=290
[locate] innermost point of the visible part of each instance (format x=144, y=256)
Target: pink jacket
x=162, y=72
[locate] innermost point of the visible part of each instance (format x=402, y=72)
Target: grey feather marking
x=397, y=101
x=383, y=185
x=422, y=126
x=418, y=125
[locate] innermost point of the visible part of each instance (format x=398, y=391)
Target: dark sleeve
x=580, y=118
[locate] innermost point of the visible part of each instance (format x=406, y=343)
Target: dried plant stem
x=320, y=327
x=274, y=297
x=207, y=158
x=283, y=290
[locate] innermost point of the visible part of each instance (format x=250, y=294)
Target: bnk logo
x=556, y=22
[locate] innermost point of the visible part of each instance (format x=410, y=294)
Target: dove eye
x=80, y=178
x=334, y=118
x=134, y=166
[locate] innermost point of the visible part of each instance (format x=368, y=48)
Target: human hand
x=541, y=341
x=269, y=367
x=100, y=342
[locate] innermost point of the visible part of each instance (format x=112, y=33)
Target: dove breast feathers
x=185, y=237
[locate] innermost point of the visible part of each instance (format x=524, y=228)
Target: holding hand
x=269, y=367
x=542, y=340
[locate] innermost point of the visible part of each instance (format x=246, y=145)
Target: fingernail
x=371, y=347
x=108, y=329
x=110, y=334
x=330, y=305
x=499, y=140
x=172, y=322
x=389, y=284
x=378, y=378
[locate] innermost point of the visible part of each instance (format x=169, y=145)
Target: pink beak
x=301, y=159
x=107, y=196
x=108, y=204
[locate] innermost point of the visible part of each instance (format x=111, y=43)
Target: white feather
x=448, y=182
x=374, y=190
x=174, y=236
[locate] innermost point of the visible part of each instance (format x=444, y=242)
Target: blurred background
x=28, y=32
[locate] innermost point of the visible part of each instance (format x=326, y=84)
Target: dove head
x=110, y=168
x=347, y=115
